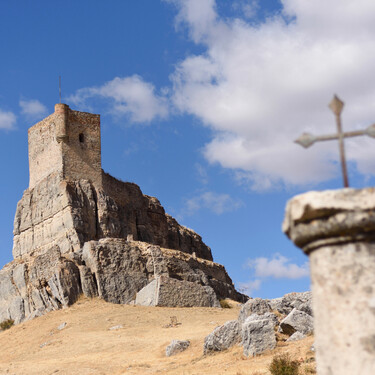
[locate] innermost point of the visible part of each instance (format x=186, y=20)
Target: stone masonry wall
x=44, y=151
x=82, y=151
x=66, y=142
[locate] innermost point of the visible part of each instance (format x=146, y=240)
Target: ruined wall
x=68, y=143
x=44, y=151
x=81, y=153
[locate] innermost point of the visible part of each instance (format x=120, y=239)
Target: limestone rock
x=253, y=306
x=258, y=336
x=297, y=321
x=223, y=337
x=267, y=316
x=164, y=291
x=176, y=346
x=69, y=213
x=28, y=290
x=288, y=302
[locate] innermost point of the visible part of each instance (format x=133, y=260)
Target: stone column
x=336, y=229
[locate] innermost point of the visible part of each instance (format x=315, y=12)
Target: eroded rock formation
x=79, y=230
x=71, y=238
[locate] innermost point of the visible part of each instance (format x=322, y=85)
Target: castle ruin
x=79, y=230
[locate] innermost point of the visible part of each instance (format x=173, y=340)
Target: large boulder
x=287, y=303
x=258, y=336
x=297, y=321
x=223, y=337
x=165, y=291
x=48, y=282
x=253, y=306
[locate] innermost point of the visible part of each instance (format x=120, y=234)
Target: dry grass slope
x=87, y=345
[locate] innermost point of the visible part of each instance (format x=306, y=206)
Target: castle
x=78, y=230
x=68, y=143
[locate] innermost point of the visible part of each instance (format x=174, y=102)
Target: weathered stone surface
x=223, y=337
x=267, y=316
x=69, y=213
x=297, y=321
x=285, y=304
x=336, y=229
x=330, y=217
x=164, y=291
x=258, y=336
x=176, y=346
x=47, y=283
x=253, y=306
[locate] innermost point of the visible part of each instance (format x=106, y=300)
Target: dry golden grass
x=87, y=346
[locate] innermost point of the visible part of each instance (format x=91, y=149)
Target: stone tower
x=66, y=143
x=78, y=230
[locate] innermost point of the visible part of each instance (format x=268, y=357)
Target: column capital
x=330, y=217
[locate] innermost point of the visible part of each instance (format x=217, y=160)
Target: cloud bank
x=260, y=84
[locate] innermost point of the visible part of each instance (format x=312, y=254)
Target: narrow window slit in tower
x=81, y=137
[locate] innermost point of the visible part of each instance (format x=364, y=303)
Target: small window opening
x=81, y=137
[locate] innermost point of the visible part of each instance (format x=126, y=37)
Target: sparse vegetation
x=284, y=365
x=6, y=324
x=225, y=304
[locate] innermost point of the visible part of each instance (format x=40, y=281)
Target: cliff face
x=70, y=213
x=72, y=237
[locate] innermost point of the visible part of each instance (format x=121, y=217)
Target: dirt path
x=87, y=345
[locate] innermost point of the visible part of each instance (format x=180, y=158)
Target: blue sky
x=200, y=101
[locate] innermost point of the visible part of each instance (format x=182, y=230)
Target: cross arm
x=306, y=139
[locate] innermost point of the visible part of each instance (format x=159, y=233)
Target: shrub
x=225, y=304
x=6, y=324
x=283, y=365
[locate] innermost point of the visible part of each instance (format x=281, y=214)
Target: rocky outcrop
x=70, y=213
x=258, y=322
x=285, y=304
x=48, y=282
x=71, y=237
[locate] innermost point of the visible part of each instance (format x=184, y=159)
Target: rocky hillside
x=93, y=337
x=73, y=238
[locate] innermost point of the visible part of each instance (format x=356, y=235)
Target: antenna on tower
x=60, y=88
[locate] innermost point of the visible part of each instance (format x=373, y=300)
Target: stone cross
x=307, y=139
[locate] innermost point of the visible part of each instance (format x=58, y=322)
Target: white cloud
x=33, y=108
x=278, y=267
x=130, y=96
x=7, y=120
x=260, y=86
x=217, y=203
x=249, y=287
